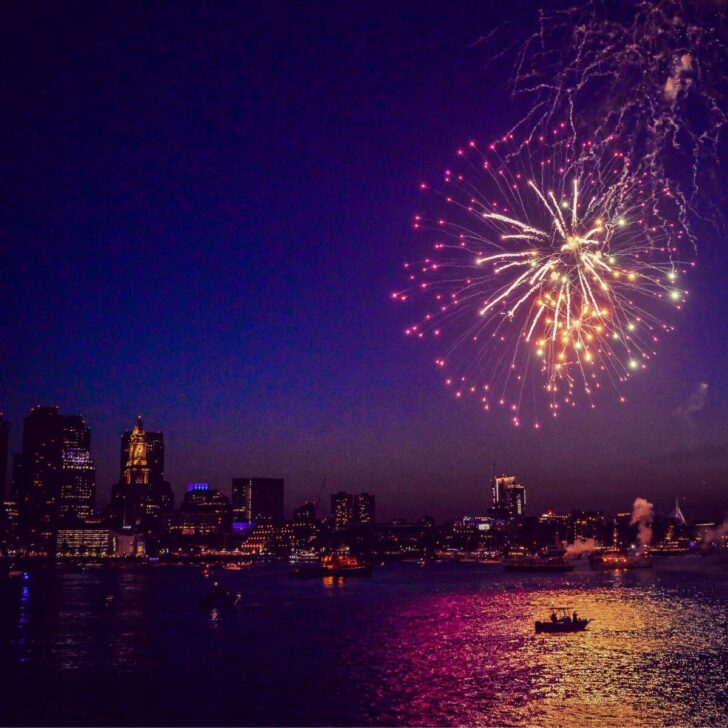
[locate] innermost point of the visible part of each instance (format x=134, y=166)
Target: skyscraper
x=516, y=499
x=4, y=444
x=364, y=509
x=53, y=475
x=142, y=493
x=508, y=496
x=78, y=473
x=257, y=499
x=342, y=509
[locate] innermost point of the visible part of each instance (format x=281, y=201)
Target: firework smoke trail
x=561, y=244
x=650, y=73
x=550, y=270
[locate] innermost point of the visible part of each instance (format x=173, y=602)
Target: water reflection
x=476, y=659
x=22, y=633
x=409, y=646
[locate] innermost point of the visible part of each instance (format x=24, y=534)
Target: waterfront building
x=508, y=496
x=128, y=544
x=584, y=525
x=262, y=540
x=78, y=473
x=195, y=523
x=4, y=451
x=364, y=509
x=342, y=510
x=623, y=532
x=257, y=499
x=200, y=498
x=89, y=539
x=10, y=526
x=53, y=475
x=141, y=494
x=401, y=540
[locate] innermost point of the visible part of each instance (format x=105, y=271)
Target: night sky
x=204, y=210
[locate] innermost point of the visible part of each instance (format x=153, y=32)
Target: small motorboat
x=219, y=598
x=561, y=621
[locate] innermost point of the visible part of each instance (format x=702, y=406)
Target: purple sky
x=204, y=209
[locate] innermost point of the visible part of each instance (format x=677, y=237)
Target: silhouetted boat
x=561, y=622
x=219, y=598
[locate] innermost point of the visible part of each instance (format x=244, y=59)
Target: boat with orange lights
x=337, y=564
x=617, y=559
x=547, y=560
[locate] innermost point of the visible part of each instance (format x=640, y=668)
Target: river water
x=442, y=644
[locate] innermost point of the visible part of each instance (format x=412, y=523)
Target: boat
x=547, y=560
x=562, y=622
x=341, y=563
x=219, y=598
x=237, y=565
x=616, y=559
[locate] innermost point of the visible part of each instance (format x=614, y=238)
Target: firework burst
x=550, y=272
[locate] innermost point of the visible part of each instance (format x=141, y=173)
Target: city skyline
x=230, y=278
x=499, y=490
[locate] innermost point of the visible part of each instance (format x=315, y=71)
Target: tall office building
x=4, y=445
x=257, y=499
x=200, y=498
x=53, y=475
x=78, y=473
x=364, y=509
x=342, y=509
x=516, y=499
x=142, y=494
x=508, y=496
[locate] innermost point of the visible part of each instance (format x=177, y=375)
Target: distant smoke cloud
x=694, y=404
x=716, y=535
x=642, y=514
x=579, y=547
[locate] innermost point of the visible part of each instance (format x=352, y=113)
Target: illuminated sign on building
x=198, y=486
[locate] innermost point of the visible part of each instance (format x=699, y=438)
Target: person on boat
x=553, y=617
x=574, y=618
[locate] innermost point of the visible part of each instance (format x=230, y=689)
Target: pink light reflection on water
x=474, y=659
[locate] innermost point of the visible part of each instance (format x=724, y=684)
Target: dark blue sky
x=203, y=210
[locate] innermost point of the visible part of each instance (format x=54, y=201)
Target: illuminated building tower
x=200, y=498
x=54, y=475
x=516, y=499
x=141, y=494
x=257, y=499
x=35, y=474
x=364, y=509
x=498, y=486
x=4, y=444
x=508, y=496
x=623, y=532
x=342, y=509
x=78, y=473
